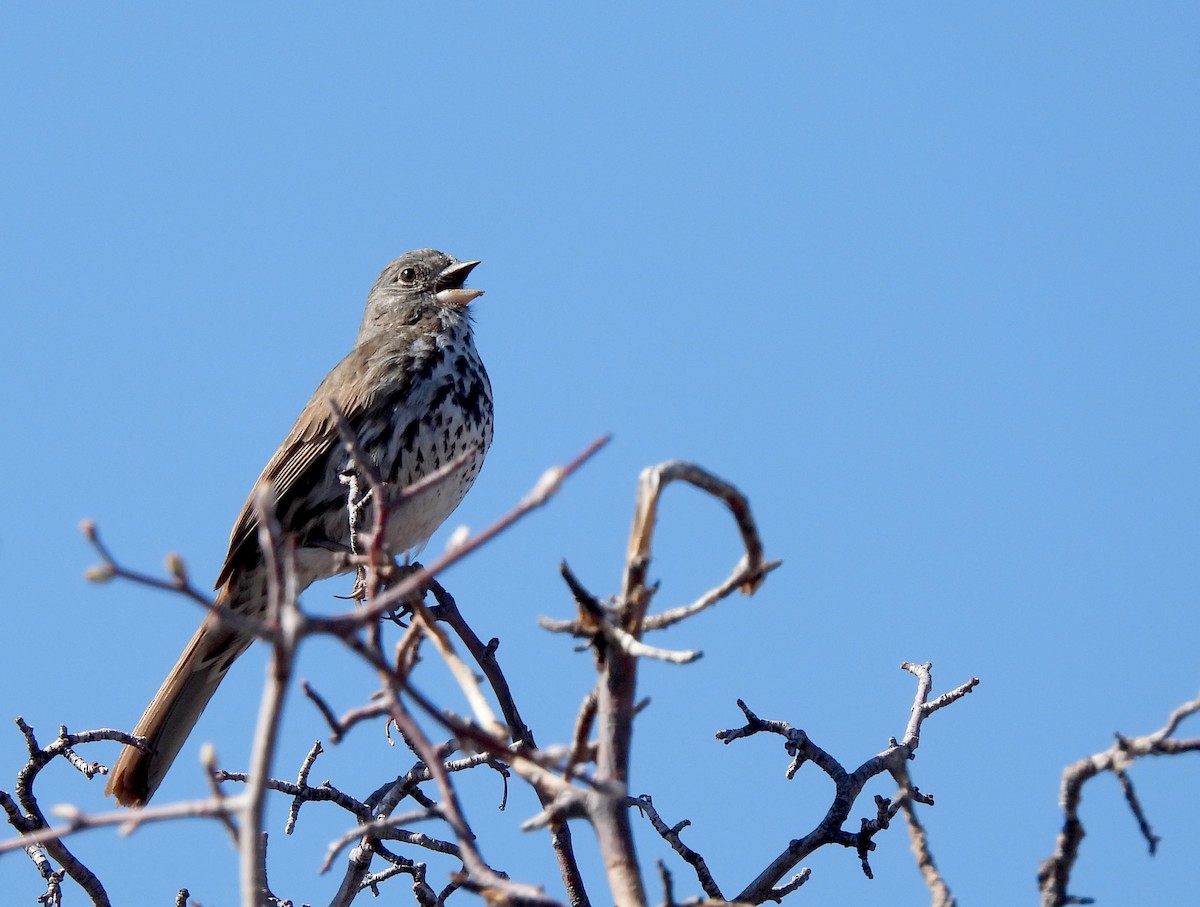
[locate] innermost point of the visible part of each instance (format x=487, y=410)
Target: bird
x=417, y=397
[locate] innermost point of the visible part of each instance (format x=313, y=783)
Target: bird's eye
x=408, y=276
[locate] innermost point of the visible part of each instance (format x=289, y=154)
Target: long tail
x=175, y=709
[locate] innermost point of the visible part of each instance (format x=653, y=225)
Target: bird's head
x=418, y=285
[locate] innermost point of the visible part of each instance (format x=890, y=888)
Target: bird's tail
x=176, y=708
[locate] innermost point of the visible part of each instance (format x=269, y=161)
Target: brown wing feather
x=312, y=437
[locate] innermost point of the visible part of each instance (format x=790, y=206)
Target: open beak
x=450, y=289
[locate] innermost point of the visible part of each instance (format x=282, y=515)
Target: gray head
x=416, y=286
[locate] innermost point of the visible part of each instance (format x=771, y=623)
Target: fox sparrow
x=415, y=393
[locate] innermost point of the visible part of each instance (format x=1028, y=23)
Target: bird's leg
x=402, y=609
x=354, y=509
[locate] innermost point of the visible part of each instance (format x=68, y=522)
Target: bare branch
x=737, y=580
x=1055, y=872
x=25, y=814
x=671, y=836
x=1135, y=806
x=127, y=820
x=381, y=828
x=325, y=793
x=847, y=785
x=481, y=877
x=750, y=572
x=778, y=894
x=562, y=776
x=467, y=682
x=919, y=840
x=447, y=611
x=179, y=584
x=283, y=615
x=622, y=628
x=301, y=784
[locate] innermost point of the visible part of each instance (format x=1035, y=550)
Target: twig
x=127, y=820
x=668, y=886
x=384, y=827
x=301, y=784
x=1135, y=806
x=778, y=894
x=325, y=793
x=446, y=610
x=847, y=785
x=480, y=876
x=918, y=839
x=520, y=734
x=617, y=687
x=750, y=571
x=671, y=836
x=1055, y=872
x=584, y=721
x=28, y=819
x=543, y=490
x=423, y=621
x=287, y=621
x=179, y=583
x=737, y=580
x=335, y=726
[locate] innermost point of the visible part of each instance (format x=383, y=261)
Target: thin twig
x=127, y=820
x=1054, y=874
x=670, y=834
x=908, y=797
x=543, y=490
x=284, y=616
x=617, y=687
x=447, y=611
x=847, y=784
x=179, y=583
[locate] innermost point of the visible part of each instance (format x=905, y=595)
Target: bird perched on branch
x=416, y=396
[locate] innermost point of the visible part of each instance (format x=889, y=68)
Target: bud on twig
x=101, y=573
x=66, y=811
x=458, y=537
x=177, y=568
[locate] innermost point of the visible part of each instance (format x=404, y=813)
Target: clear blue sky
x=921, y=279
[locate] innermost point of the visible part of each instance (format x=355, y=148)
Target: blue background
x=920, y=279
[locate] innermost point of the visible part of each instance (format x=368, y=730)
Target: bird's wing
x=301, y=457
